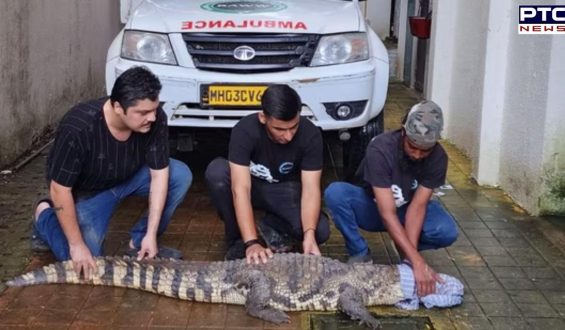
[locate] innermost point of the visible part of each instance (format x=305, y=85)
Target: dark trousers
x=280, y=201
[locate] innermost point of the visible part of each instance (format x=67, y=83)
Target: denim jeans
x=280, y=201
x=94, y=213
x=353, y=208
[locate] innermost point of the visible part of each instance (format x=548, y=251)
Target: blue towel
x=449, y=293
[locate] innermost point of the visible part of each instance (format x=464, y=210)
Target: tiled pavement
x=512, y=264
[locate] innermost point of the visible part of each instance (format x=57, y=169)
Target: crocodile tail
x=54, y=273
x=183, y=280
x=111, y=271
x=60, y=272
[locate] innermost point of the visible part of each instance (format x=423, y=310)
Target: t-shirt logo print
x=398, y=196
x=261, y=172
x=286, y=167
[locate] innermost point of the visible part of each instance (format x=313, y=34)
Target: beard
x=408, y=164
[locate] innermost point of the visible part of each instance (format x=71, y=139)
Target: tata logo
x=244, y=53
x=541, y=20
x=244, y=7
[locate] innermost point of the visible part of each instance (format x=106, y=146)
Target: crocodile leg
x=351, y=303
x=257, y=301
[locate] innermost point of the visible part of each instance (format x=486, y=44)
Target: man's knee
x=449, y=234
x=444, y=235
x=333, y=195
x=94, y=240
x=180, y=175
x=323, y=231
x=217, y=172
x=445, y=229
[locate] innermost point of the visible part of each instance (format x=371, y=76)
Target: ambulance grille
x=273, y=52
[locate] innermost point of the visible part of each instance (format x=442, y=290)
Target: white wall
x=440, y=60
x=402, y=34
x=487, y=169
x=503, y=98
x=534, y=121
x=552, y=200
x=467, y=75
x=378, y=14
x=52, y=55
x=456, y=68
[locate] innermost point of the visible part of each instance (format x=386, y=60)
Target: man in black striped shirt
x=104, y=151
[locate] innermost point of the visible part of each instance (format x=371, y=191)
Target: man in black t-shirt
x=104, y=151
x=275, y=164
x=399, y=172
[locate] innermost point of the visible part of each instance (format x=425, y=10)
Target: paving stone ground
x=512, y=264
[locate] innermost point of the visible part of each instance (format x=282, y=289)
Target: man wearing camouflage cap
x=399, y=172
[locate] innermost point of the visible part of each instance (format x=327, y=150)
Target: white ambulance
x=215, y=58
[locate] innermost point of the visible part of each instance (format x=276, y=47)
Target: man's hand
x=257, y=253
x=148, y=248
x=64, y=206
x=309, y=245
x=426, y=279
x=83, y=261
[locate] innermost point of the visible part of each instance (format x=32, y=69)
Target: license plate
x=232, y=95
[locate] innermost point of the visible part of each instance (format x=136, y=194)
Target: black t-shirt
x=384, y=167
x=273, y=162
x=86, y=157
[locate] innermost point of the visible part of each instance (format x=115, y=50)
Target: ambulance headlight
x=147, y=47
x=341, y=48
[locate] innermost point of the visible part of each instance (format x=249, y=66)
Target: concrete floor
x=512, y=265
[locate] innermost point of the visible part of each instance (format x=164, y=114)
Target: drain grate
x=342, y=322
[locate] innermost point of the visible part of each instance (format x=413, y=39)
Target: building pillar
x=552, y=199
x=494, y=90
x=440, y=60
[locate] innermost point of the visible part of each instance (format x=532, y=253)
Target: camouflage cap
x=424, y=124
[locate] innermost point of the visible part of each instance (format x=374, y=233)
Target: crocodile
x=288, y=282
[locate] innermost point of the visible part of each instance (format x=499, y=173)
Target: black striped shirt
x=86, y=157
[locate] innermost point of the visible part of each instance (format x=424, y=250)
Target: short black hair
x=133, y=85
x=281, y=102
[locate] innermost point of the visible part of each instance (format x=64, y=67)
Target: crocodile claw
x=274, y=315
x=373, y=324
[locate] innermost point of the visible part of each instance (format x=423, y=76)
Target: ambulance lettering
x=255, y=24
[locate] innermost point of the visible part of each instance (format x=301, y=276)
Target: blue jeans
x=94, y=213
x=353, y=208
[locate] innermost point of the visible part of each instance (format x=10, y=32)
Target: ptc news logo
x=542, y=20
